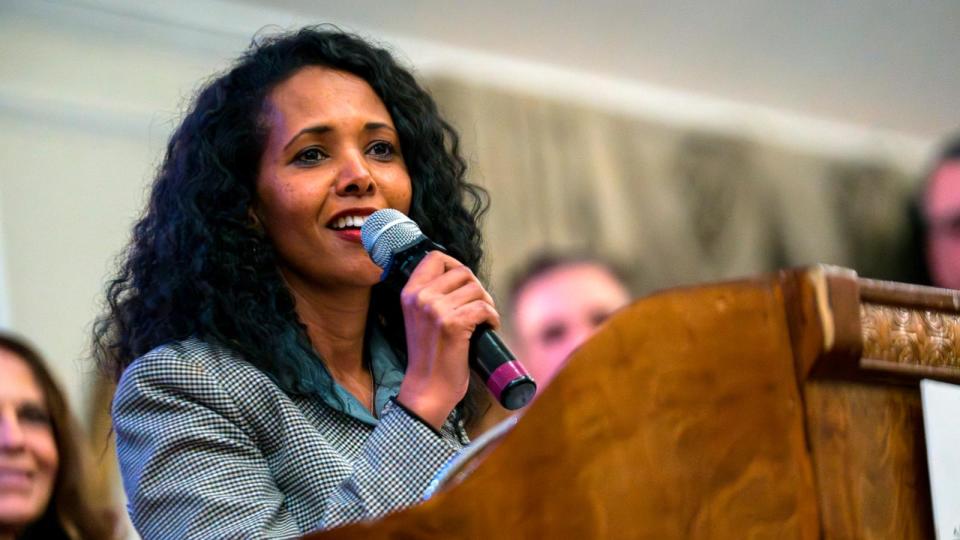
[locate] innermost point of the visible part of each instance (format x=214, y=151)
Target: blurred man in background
x=940, y=209
x=555, y=304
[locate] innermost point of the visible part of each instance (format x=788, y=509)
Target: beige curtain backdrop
x=673, y=205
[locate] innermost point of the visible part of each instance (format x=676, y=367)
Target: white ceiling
x=880, y=64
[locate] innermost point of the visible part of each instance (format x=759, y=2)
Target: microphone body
x=396, y=244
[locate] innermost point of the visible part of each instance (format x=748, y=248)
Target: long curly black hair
x=197, y=266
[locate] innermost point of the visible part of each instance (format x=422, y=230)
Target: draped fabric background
x=673, y=205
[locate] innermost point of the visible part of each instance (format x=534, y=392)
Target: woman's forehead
x=322, y=92
x=18, y=382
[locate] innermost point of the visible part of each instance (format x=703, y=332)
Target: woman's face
x=28, y=451
x=332, y=158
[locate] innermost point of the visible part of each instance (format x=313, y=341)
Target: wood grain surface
x=785, y=406
x=909, y=332
x=862, y=403
x=681, y=419
x=870, y=460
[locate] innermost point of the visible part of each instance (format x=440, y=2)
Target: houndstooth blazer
x=210, y=447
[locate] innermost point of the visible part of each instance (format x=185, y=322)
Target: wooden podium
x=785, y=406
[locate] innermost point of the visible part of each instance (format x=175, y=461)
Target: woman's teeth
x=349, y=221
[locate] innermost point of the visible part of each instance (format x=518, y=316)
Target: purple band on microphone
x=503, y=375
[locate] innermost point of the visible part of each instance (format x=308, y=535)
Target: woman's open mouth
x=348, y=222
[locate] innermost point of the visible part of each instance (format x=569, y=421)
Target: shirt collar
x=387, y=375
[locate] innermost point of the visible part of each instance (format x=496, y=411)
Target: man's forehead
x=568, y=292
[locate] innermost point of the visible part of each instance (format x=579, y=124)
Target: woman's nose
x=354, y=177
x=11, y=435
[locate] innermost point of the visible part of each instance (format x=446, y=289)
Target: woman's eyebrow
x=373, y=126
x=320, y=129
x=30, y=404
x=316, y=130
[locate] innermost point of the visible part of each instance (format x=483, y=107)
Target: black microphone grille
x=386, y=232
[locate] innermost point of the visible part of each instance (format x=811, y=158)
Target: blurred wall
x=86, y=102
x=4, y=286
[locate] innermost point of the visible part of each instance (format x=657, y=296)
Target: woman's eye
x=381, y=150
x=33, y=414
x=309, y=156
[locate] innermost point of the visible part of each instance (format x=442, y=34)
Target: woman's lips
x=351, y=213
x=350, y=235
x=15, y=480
x=346, y=223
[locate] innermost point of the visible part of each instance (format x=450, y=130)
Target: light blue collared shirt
x=387, y=375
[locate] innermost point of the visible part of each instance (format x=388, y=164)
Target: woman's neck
x=336, y=320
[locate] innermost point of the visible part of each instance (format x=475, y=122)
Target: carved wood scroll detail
x=927, y=338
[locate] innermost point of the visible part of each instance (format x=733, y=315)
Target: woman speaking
x=267, y=385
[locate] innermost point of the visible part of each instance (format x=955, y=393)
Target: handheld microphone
x=396, y=244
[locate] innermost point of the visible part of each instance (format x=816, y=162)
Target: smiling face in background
x=557, y=310
x=332, y=157
x=28, y=449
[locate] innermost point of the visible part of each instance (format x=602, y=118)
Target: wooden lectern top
x=783, y=406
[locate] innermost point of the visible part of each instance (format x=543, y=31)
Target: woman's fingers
x=462, y=304
x=479, y=312
x=443, y=302
x=433, y=265
x=441, y=283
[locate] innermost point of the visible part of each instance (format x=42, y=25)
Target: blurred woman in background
x=43, y=465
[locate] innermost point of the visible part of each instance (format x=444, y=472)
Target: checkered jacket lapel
x=210, y=447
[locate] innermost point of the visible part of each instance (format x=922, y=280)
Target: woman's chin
x=360, y=278
x=369, y=275
x=19, y=512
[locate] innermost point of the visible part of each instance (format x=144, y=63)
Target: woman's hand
x=443, y=302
